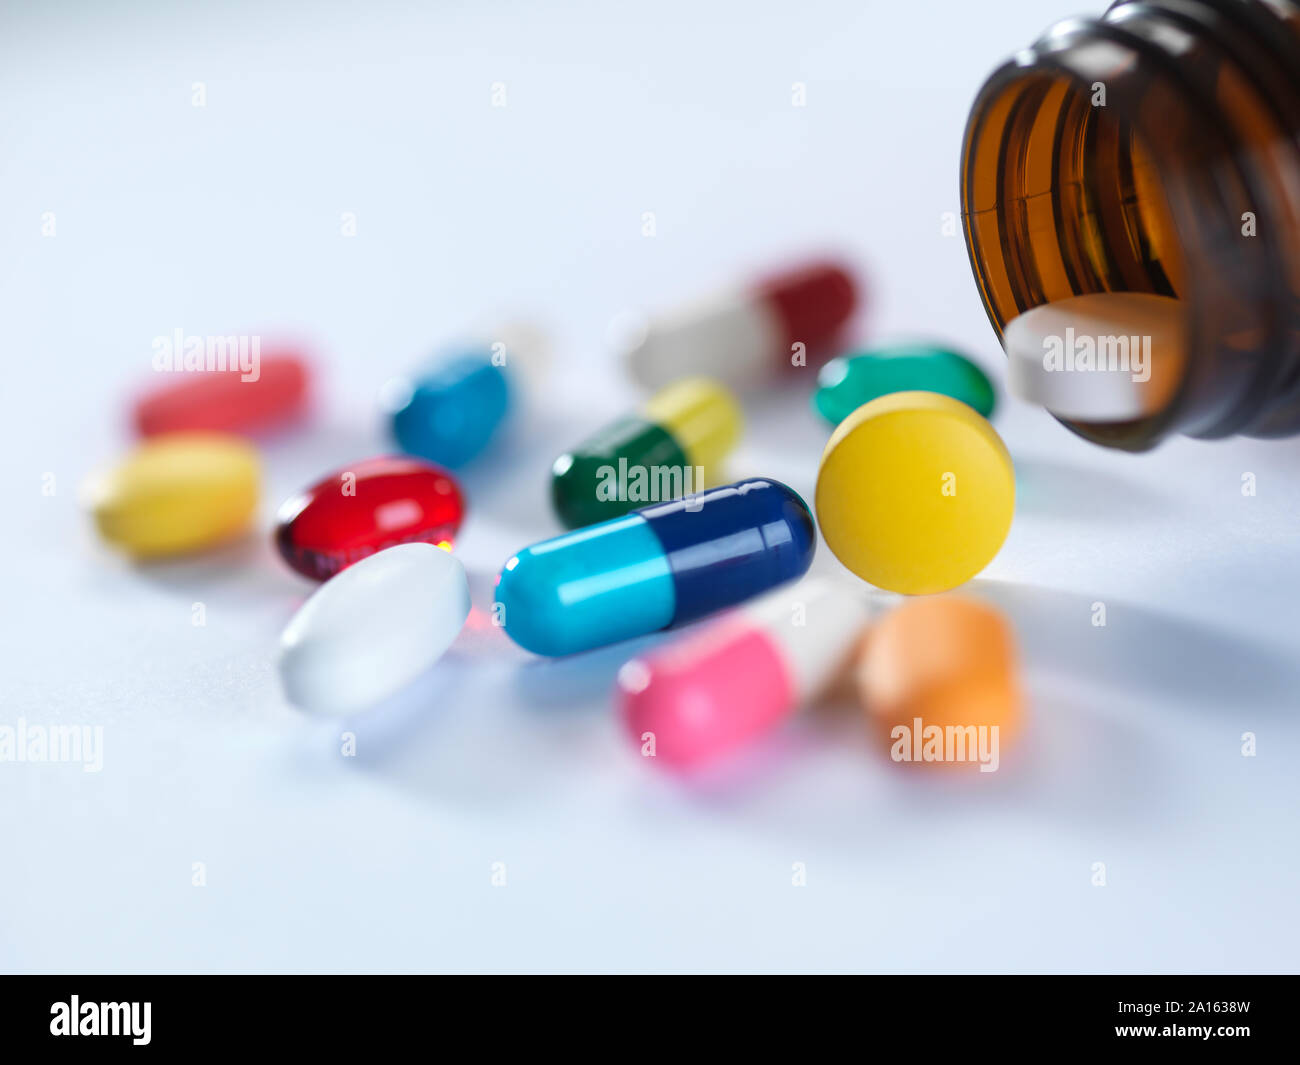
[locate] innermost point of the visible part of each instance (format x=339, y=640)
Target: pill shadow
x=452, y=740
x=1087, y=759
x=510, y=482
x=1077, y=764
x=522, y=728
x=439, y=742
x=406, y=721
x=1141, y=652
x=244, y=572
x=756, y=769
x=576, y=684
x=827, y=780
x=490, y=726
x=1061, y=491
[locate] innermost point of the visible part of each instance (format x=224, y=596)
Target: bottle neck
x=1156, y=149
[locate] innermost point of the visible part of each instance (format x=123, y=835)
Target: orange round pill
x=938, y=677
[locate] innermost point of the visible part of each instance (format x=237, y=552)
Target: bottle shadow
x=1132, y=653
x=1092, y=755
x=1101, y=701
x=490, y=724
x=246, y=572
x=1061, y=491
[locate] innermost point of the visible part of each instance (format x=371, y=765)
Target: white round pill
x=373, y=628
x=1104, y=357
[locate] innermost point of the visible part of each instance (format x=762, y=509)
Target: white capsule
x=1104, y=357
x=728, y=336
x=374, y=628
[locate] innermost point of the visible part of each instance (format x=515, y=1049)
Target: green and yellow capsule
x=662, y=452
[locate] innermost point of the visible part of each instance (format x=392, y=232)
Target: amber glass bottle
x=1154, y=149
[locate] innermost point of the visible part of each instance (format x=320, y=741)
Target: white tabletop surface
x=226, y=218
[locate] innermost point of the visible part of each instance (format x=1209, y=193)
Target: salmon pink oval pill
x=946, y=663
x=254, y=395
x=365, y=508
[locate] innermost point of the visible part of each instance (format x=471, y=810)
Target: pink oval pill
x=726, y=684
x=260, y=395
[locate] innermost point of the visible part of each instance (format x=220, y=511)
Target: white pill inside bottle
x=1104, y=357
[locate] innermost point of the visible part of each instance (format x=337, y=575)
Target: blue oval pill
x=454, y=410
x=656, y=567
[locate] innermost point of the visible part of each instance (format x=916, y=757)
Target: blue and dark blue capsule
x=656, y=567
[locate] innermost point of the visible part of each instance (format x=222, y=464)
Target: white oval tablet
x=373, y=628
x=1105, y=357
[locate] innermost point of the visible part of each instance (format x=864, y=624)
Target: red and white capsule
x=728, y=683
x=747, y=336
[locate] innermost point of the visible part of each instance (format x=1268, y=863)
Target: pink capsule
x=730, y=682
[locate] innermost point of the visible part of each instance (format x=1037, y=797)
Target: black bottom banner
x=1153, y=1014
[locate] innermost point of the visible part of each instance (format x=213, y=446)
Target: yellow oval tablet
x=915, y=492
x=177, y=494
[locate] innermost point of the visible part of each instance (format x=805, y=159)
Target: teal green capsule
x=846, y=383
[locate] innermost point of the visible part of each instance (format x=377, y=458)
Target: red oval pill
x=271, y=392
x=365, y=508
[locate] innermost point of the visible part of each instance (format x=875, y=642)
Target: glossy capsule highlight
x=365, y=508
x=746, y=337
x=714, y=690
x=665, y=451
x=656, y=567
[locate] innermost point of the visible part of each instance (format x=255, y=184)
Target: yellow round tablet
x=176, y=494
x=915, y=492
